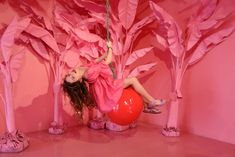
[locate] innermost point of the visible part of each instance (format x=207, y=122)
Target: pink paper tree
x=46, y=46
x=47, y=38
x=44, y=39
x=12, y=55
x=204, y=31
x=76, y=26
x=58, y=41
x=124, y=29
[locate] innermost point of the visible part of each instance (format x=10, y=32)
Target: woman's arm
x=107, y=56
x=101, y=57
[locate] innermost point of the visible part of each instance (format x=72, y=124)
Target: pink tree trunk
x=9, y=109
x=13, y=140
x=57, y=127
x=172, y=121
x=57, y=97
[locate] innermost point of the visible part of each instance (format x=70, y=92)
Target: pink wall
x=206, y=109
x=209, y=94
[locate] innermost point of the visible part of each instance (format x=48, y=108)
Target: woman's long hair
x=78, y=94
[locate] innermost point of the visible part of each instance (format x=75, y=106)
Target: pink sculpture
x=204, y=31
x=13, y=140
x=80, y=26
x=123, y=33
x=45, y=44
x=45, y=41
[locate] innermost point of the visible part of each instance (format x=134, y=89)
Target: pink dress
x=105, y=89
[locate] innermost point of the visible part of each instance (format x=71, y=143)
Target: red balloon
x=128, y=108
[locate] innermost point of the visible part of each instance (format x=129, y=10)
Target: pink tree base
x=101, y=123
x=13, y=142
x=56, y=129
x=170, y=132
x=97, y=123
x=115, y=127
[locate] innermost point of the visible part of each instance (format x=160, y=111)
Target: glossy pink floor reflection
x=143, y=141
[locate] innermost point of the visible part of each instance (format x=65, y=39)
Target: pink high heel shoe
x=152, y=110
x=155, y=103
x=151, y=106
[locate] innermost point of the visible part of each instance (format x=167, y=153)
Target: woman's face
x=74, y=75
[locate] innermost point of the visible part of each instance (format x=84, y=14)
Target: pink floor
x=143, y=141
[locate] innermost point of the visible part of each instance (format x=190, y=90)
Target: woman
x=104, y=90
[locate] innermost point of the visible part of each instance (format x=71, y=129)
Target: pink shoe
x=97, y=123
x=155, y=103
x=152, y=110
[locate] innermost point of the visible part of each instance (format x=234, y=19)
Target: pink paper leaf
x=88, y=52
x=13, y=31
x=61, y=38
x=40, y=48
x=207, y=24
x=47, y=23
x=64, y=25
x=136, y=29
x=207, y=9
x=117, y=47
x=201, y=22
x=174, y=40
x=195, y=31
x=137, y=54
x=169, y=30
x=69, y=18
x=87, y=56
x=87, y=36
x=60, y=20
x=140, y=24
x=91, y=6
x=195, y=35
x=160, y=13
x=208, y=43
x=127, y=12
x=38, y=15
x=128, y=42
x=44, y=35
x=71, y=58
x=69, y=42
x=161, y=40
x=116, y=34
x=15, y=63
x=142, y=68
x=99, y=17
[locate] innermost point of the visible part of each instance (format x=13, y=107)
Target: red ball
x=128, y=109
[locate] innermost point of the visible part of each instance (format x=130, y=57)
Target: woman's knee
x=134, y=80
x=130, y=81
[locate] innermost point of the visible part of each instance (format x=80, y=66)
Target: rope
x=107, y=20
x=107, y=35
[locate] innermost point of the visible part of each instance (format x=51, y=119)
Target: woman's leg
x=134, y=82
x=149, y=106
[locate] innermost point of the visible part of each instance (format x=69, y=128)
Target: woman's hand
x=107, y=56
x=99, y=59
x=109, y=44
x=108, y=59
